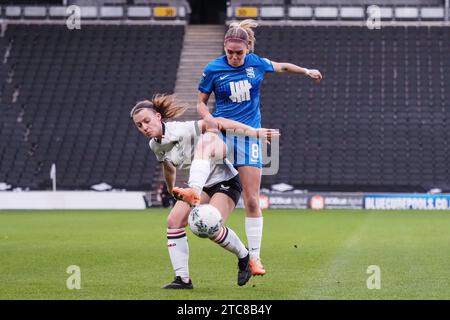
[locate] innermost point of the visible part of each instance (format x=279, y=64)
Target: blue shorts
x=243, y=150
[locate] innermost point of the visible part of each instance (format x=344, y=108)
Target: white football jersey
x=177, y=146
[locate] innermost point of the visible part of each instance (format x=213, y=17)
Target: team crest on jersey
x=250, y=72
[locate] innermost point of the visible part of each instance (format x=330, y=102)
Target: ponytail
x=164, y=104
x=242, y=31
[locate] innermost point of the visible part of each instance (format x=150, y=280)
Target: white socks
x=198, y=174
x=179, y=252
x=178, y=247
x=229, y=240
x=253, y=229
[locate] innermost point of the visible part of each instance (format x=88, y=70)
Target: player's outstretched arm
x=170, y=173
x=292, y=68
x=240, y=128
x=203, y=111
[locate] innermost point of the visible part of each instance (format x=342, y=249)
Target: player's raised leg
x=209, y=148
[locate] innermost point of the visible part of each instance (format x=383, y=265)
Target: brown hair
x=164, y=104
x=242, y=31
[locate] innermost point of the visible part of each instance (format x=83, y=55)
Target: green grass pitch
x=307, y=255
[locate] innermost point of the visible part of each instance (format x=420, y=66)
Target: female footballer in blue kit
x=236, y=79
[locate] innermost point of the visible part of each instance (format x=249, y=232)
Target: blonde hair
x=164, y=104
x=242, y=31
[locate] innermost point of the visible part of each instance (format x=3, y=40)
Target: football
x=205, y=221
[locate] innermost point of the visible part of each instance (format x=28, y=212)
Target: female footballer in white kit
x=212, y=178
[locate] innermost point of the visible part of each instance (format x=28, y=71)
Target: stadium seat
x=139, y=12
x=13, y=12
x=349, y=13
x=56, y=12
x=271, y=12
x=300, y=12
x=111, y=12
x=34, y=12
x=326, y=13
x=432, y=13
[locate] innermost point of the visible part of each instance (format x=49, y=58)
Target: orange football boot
x=187, y=195
x=256, y=267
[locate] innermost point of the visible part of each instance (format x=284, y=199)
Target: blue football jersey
x=237, y=89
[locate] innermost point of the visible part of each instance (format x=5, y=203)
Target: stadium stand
x=370, y=2
x=16, y=150
x=177, y=10
x=337, y=9
x=378, y=121
x=67, y=101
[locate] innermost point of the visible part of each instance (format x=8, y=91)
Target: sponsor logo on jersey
x=240, y=91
